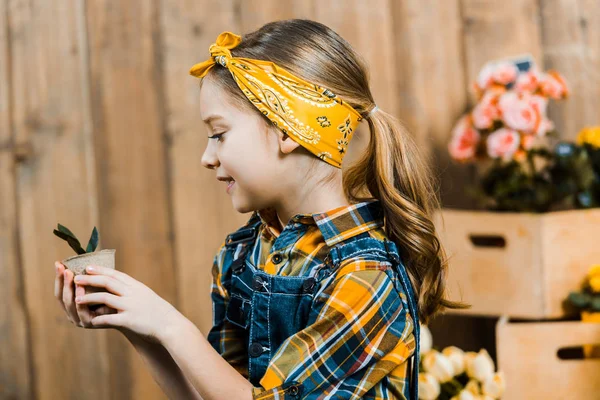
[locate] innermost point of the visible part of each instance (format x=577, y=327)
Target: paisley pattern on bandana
x=310, y=114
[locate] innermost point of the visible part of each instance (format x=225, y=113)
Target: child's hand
x=64, y=292
x=139, y=308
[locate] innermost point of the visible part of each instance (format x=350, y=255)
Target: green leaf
x=93, y=242
x=66, y=230
x=595, y=304
x=64, y=233
x=579, y=300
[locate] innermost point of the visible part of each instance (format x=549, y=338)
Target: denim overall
x=271, y=308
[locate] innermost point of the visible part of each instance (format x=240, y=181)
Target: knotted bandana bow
x=311, y=115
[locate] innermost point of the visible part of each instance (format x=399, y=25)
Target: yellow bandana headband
x=310, y=114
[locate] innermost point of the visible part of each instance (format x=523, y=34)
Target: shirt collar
x=336, y=225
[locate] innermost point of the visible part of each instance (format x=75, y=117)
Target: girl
x=321, y=293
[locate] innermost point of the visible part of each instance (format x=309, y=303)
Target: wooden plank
x=570, y=35
x=255, y=13
x=202, y=211
x=15, y=362
x=367, y=26
x=53, y=184
x=432, y=87
x=536, y=273
x=131, y=161
x=528, y=355
x=496, y=29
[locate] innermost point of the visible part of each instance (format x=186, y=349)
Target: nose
x=209, y=158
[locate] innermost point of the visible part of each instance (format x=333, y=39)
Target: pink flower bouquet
x=510, y=115
x=506, y=132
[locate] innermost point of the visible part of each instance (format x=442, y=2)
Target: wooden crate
x=527, y=352
x=518, y=264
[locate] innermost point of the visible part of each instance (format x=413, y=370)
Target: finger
x=68, y=298
x=108, y=299
x=108, y=321
x=107, y=282
x=58, y=284
x=103, y=309
x=83, y=312
x=118, y=275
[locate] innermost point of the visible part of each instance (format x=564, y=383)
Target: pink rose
x=554, y=85
x=505, y=73
x=528, y=81
x=540, y=103
x=520, y=113
x=528, y=141
x=501, y=73
x=503, y=143
x=484, y=79
x=486, y=111
x=545, y=126
x=464, y=140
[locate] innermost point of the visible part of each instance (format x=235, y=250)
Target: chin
x=242, y=206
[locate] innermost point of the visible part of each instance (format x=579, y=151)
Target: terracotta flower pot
x=77, y=264
x=591, y=351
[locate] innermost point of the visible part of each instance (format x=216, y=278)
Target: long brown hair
x=391, y=170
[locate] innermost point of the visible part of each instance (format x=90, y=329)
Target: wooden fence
x=99, y=126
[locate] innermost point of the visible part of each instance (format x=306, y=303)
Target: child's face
x=248, y=151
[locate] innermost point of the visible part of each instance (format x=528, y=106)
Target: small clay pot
x=77, y=264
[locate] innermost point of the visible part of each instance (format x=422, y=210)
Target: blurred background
x=99, y=126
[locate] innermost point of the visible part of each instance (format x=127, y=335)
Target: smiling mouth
x=230, y=185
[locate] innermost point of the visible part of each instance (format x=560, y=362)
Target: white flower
x=495, y=385
x=464, y=395
x=479, y=365
x=456, y=357
x=426, y=339
x=473, y=387
x=429, y=387
x=438, y=365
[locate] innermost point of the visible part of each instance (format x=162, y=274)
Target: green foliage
x=584, y=300
x=581, y=300
x=64, y=233
x=595, y=304
x=569, y=178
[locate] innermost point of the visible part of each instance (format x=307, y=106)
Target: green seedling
x=64, y=233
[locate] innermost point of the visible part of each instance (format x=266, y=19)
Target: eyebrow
x=211, y=118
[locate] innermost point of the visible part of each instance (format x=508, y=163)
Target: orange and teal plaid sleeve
x=224, y=337
x=356, y=344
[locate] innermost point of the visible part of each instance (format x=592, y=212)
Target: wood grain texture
x=126, y=89
x=571, y=40
x=497, y=29
x=252, y=14
x=539, y=372
x=52, y=182
x=202, y=211
x=100, y=125
x=368, y=27
x=16, y=369
x=528, y=277
x=432, y=86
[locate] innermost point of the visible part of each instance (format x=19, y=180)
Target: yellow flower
x=595, y=284
x=590, y=135
x=594, y=271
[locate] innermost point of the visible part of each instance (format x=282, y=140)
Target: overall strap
x=352, y=248
x=242, y=239
x=413, y=369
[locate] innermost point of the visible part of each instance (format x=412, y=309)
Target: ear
x=286, y=144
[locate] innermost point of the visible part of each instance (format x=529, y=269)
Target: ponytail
x=395, y=174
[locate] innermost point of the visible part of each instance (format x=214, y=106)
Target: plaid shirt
x=363, y=334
